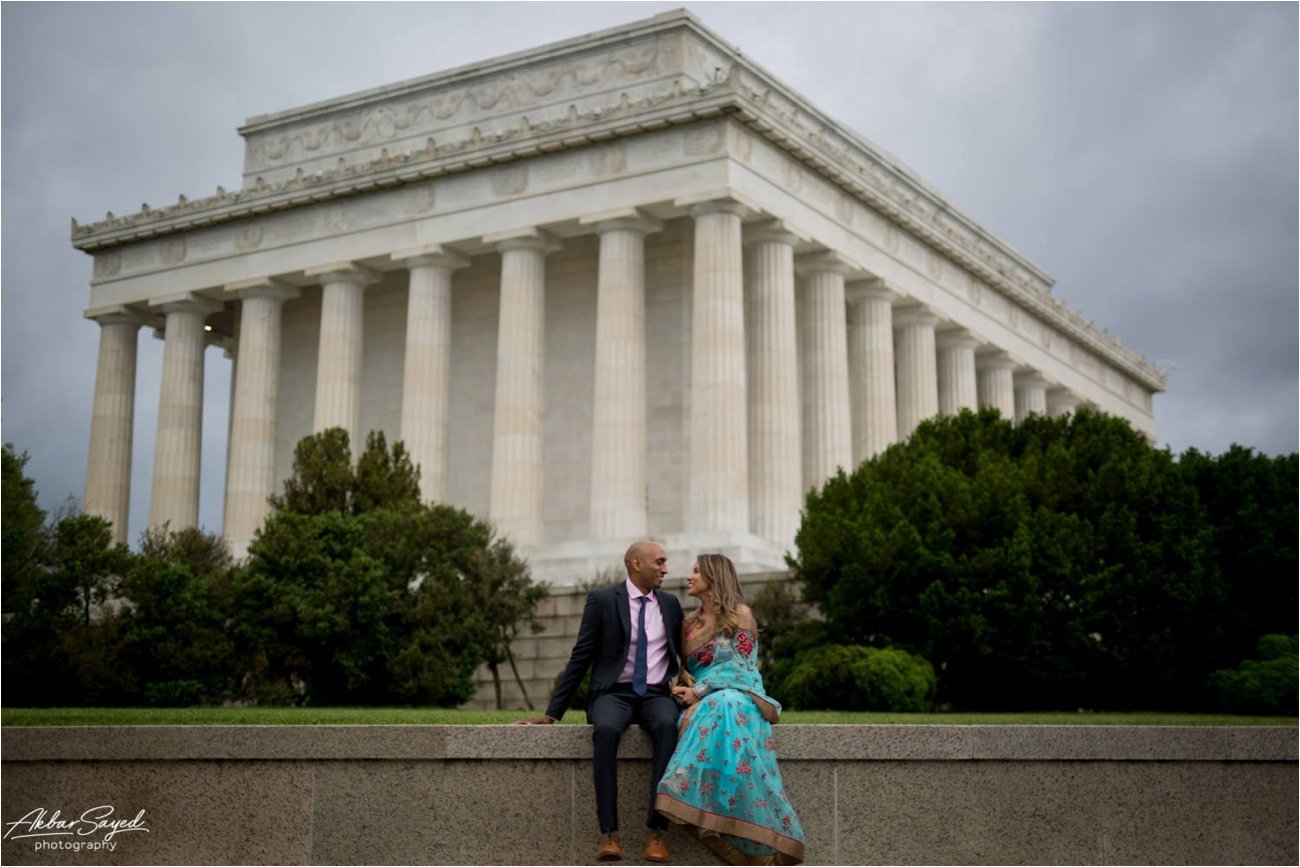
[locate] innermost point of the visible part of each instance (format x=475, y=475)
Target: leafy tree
x=319, y=607
x=1252, y=506
x=82, y=573
x=22, y=526
x=509, y=600
x=60, y=637
x=1054, y=563
x=177, y=597
x=85, y=564
x=384, y=477
x=357, y=593
x=324, y=478
x=365, y=609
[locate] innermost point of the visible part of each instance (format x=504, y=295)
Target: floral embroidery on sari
x=703, y=654
x=720, y=782
x=744, y=643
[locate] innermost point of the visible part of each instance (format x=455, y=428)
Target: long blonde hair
x=724, y=591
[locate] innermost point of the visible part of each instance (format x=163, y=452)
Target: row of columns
x=828, y=377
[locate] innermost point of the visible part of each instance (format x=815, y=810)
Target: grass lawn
x=83, y=716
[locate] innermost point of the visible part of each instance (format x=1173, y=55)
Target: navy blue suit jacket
x=603, y=641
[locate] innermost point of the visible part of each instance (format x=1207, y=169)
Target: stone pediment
x=663, y=71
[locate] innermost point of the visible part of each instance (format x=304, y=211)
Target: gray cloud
x=1144, y=155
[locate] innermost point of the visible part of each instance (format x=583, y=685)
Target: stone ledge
x=423, y=794
x=505, y=742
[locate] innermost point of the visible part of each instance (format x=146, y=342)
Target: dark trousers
x=610, y=715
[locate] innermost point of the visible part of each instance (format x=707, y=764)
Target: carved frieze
x=438, y=106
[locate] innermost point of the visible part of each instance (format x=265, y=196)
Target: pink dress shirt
x=657, y=648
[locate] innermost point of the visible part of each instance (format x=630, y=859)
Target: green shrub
x=853, y=677
x=783, y=651
x=1266, y=685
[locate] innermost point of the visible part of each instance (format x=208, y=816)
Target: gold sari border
x=688, y=814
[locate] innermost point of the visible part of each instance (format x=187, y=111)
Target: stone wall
x=542, y=656
x=523, y=795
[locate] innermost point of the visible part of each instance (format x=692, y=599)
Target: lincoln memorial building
x=621, y=286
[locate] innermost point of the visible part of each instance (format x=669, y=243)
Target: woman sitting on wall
x=722, y=781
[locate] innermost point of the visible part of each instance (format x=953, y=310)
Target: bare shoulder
x=745, y=617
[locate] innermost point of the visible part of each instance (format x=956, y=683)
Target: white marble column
x=775, y=451
x=178, y=447
x=426, y=374
x=515, y=498
x=1031, y=393
x=718, y=488
x=994, y=382
x=824, y=365
x=1061, y=402
x=228, y=353
x=250, y=468
x=618, y=434
x=871, y=368
x=957, y=380
x=339, y=358
x=917, y=376
x=108, y=468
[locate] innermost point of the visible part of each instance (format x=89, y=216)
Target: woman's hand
x=685, y=695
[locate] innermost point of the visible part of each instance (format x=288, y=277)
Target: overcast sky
x=1143, y=155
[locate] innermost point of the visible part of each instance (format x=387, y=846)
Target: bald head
x=646, y=564
x=635, y=551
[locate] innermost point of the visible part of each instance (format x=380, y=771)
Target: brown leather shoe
x=609, y=848
x=656, y=847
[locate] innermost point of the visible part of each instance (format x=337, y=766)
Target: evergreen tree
x=357, y=593
x=1055, y=563
x=60, y=637
x=22, y=527
x=322, y=479
x=175, y=619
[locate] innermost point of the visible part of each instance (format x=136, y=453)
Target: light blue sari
x=723, y=781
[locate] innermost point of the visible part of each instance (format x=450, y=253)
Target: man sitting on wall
x=630, y=634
